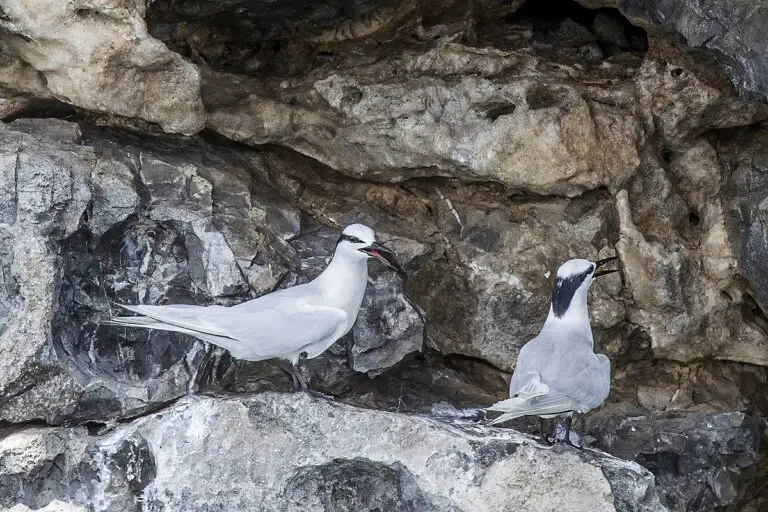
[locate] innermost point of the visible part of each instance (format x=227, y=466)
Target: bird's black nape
x=563, y=291
x=348, y=238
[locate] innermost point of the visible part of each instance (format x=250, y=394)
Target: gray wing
x=576, y=371
x=533, y=357
x=553, y=376
x=274, y=325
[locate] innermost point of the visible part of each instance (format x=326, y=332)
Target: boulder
x=294, y=452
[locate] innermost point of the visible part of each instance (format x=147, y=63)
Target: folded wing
x=277, y=327
x=550, y=380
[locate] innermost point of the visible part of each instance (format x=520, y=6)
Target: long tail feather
x=145, y=322
x=535, y=406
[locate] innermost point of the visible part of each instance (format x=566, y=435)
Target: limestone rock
x=293, y=452
x=140, y=221
x=54, y=506
x=99, y=56
x=76, y=232
x=526, y=135
x=732, y=31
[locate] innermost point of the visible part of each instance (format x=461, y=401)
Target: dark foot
x=544, y=437
x=567, y=438
x=299, y=382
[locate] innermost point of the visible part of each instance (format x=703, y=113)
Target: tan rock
x=97, y=55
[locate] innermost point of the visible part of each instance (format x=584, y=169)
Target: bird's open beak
x=385, y=255
x=600, y=263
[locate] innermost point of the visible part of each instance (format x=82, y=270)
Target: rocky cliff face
x=207, y=152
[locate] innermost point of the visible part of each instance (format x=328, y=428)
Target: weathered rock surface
x=701, y=460
x=136, y=222
x=485, y=141
x=732, y=31
x=293, y=452
x=98, y=55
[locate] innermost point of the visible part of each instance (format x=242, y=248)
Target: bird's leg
x=199, y=372
x=303, y=382
x=298, y=378
x=544, y=437
x=567, y=439
x=293, y=378
x=299, y=382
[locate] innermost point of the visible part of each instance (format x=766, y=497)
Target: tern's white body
x=557, y=372
x=306, y=318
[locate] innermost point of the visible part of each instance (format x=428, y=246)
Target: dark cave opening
x=612, y=30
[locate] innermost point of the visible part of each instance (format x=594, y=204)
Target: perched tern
x=557, y=372
x=307, y=318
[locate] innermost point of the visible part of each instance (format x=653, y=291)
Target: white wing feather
x=274, y=325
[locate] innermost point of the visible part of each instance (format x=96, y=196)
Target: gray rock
x=54, y=506
x=732, y=31
x=129, y=225
x=699, y=459
x=293, y=452
x=453, y=135
x=387, y=329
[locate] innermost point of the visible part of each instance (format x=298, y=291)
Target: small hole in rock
x=751, y=312
x=86, y=13
x=94, y=427
x=694, y=218
x=666, y=155
x=495, y=110
x=676, y=72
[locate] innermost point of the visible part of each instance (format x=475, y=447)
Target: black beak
x=600, y=263
x=385, y=255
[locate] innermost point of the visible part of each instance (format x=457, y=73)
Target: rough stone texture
x=54, y=506
x=485, y=141
x=698, y=459
x=733, y=31
x=146, y=222
x=746, y=192
x=518, y=132
x=293, y=452
x=98, y=55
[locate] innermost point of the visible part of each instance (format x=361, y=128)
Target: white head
x=359, y=241
x=571, y=286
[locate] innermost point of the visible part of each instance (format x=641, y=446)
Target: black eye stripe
x=349, y=238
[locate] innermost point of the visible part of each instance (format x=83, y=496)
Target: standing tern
x=557, y=372
x=286, y=323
